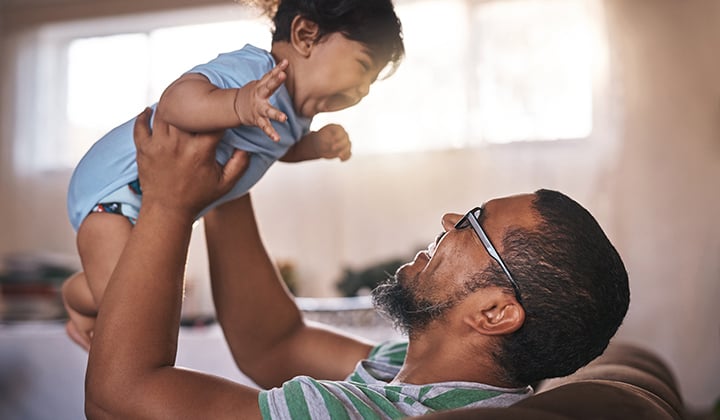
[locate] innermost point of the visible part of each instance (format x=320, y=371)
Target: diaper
x=124, y=201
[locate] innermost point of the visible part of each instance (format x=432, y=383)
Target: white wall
x=650, y=174
x=666, y=193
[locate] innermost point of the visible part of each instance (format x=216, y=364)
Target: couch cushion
x=638, y=357
x=601, y=399
x=622, y=374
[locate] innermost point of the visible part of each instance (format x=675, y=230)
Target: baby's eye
x=365, y=65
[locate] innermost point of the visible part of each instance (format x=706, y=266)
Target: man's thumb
x=235, y=167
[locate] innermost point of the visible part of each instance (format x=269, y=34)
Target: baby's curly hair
x=267, y=7
x=370, y=22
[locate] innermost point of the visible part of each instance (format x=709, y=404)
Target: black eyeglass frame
x=473, y=219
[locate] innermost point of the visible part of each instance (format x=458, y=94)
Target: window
x=135, y=68
x=476, y=72
x=480, y=72
x=532, y=70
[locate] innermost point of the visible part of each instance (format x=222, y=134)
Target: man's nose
x=449, y=220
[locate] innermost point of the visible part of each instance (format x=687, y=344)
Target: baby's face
x=336, y=75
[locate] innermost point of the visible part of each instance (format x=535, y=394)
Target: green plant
x=368, y=278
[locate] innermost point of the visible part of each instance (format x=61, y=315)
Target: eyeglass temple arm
x=491, y=249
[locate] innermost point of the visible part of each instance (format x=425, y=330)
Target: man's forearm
x=264, y=328
x=252, y=304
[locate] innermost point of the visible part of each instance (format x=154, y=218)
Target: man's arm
x=266, y=333
x=131, y=372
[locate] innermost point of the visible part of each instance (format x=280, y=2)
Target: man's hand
x=252, y=101
x=178, y=170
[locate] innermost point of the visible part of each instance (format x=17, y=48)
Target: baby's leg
x=100, y=241
x=77, y=297
x=80, y=308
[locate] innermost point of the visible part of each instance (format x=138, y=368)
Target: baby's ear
x=304, y=35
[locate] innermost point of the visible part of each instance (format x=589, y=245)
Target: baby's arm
x=193, y=104
x=329, y=142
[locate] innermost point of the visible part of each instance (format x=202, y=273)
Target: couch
x=626, y=382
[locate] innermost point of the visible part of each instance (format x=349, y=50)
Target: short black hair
x=370, y=22
x=574, y=289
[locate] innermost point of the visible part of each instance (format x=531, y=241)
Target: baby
x=325, y=54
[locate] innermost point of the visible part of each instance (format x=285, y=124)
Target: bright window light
x=423, y=106
x=533, y=70
x=484, y=72
x=136, y=68
x=105, y=92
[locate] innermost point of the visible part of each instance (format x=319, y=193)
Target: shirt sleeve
x=390, y=352
x=305, y=398
x=235, y=69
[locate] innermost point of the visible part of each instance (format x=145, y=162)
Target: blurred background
x=616, y=103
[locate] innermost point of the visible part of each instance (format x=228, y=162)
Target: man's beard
x=408, y=313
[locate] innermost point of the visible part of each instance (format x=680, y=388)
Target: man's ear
x=303, y=35
x=494, y=312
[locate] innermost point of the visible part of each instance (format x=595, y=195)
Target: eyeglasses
x=472, y=219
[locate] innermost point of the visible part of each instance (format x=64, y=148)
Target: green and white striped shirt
x=367, y=394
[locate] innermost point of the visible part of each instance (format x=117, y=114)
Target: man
x=523, y=288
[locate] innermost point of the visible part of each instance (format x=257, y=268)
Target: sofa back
x=626, y=382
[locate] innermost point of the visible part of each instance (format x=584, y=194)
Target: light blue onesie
x=110, y=165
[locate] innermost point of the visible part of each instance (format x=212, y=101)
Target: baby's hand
x=252, y=101
x=331, y=141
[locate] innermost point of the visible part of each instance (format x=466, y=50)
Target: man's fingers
x=141, y=130
x=235, y=167
x=206, y=141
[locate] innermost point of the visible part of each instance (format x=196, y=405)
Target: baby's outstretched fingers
x=253, y=104
x=268, y=129
x=273, y=79
x=277, y=115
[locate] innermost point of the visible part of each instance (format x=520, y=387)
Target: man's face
x=425, y=289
